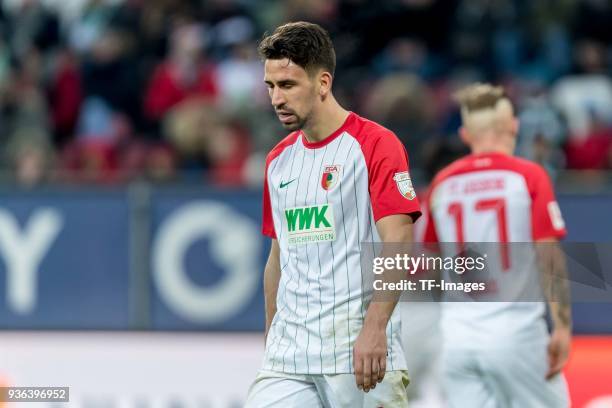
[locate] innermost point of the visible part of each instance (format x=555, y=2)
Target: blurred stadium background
x=132, y=140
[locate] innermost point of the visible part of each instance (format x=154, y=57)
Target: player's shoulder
x=530, y=170
x=280, y=147
x=471, y=163
x=369, y=133
x=527, y=167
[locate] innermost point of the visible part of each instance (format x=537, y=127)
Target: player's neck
x=478, y=152
x=330, y=118
x=485, y=148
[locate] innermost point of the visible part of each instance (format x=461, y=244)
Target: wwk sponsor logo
x=310, y=224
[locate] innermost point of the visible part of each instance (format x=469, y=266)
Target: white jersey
x=494, y=198
x=321, y=202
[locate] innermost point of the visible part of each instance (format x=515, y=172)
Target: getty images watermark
x=487, y=272
x=422, y=263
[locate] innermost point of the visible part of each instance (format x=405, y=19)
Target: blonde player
x=336, y=181
x=499, y=354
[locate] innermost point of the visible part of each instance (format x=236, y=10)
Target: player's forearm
x=559, y=303
x=378, y=314
x=384, y=301
x=271, y=280
x=551, y=261
x=396, y=233
x=561, y=315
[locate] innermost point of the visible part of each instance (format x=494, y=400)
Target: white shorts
x=281, y=390
x=504, y=377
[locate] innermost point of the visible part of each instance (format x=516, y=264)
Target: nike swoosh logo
x=283, y=185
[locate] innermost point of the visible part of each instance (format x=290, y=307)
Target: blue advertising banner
x=182, y=259
x=207, y=258
x=588, y=218
x=64, y=260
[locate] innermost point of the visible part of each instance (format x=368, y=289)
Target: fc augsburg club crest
x=404, y=184
x=331, y=175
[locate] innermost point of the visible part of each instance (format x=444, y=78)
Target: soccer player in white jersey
x=336, y=181
x=500, y=354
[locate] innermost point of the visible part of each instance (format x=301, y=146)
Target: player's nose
x=278, y=99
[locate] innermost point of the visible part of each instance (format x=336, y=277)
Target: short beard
x=297, y=125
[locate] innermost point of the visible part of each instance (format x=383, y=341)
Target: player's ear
x=325, y=83
x=464, y=135
x=515, y=125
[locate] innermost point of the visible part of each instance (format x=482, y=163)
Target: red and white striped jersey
x=493, y=197
x=321, y=202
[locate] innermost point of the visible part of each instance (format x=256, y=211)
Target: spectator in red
x=185, y=74
x=593, y=152
x=65, y=94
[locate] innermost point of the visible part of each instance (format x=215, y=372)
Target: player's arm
x=547, y=228
x=272, y=274
x=370, y=351
x=553, y=269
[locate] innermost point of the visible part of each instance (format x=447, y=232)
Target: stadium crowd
x=101, y=91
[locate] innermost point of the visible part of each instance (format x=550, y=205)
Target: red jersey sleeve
x=390, y=185
x=546, y=218
x=267, y=224
x=429, y=229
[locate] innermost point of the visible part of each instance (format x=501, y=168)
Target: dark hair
x=306, y=44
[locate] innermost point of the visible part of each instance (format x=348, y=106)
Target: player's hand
x=558, y=351
x=370, y=357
